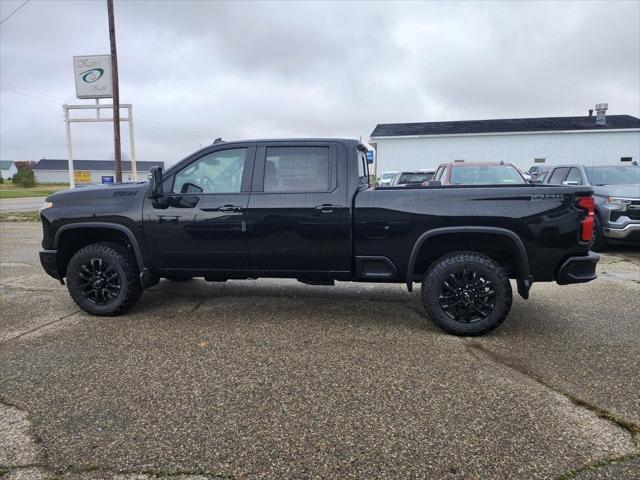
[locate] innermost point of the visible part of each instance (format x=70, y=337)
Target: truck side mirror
x=155, y=180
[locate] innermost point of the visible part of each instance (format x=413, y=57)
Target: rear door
x=299, y=211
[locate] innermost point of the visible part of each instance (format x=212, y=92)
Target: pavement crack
x=600, y=463
x=198, y=305
x=9, y=286
x=28, y=332
x=631, y=428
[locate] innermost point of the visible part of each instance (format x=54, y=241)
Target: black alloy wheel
x=103, y=278
x=467, y=296
x=466, y=293
x=99, y=282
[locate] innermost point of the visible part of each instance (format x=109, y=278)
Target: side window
x=297, y=169
x=557, y=177
x=574, y=176
x=217, y=172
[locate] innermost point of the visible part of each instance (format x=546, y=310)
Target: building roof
x=95, y=165
x=5, y=164
x=507, y=125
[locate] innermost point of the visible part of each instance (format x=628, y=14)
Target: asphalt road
x=275, y=379
x=26, y=204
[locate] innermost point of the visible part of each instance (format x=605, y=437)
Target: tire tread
x=444, y=263
x=127, y=261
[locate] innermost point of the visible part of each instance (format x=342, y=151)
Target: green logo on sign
x=92, y=75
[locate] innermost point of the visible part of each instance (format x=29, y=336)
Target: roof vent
x=601, y=118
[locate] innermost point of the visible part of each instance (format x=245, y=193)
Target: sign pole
x=72, y=182
x=116, y=94
x=132, y=147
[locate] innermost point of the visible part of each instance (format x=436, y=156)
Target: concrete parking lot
x=275, y=379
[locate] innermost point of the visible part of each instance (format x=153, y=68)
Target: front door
x=203, y=229
x=299, y=213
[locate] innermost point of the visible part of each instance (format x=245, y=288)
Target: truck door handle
x=326, y=208
x=230, y=208
x=168, y=218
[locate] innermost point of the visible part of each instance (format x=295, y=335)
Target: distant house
x=8, y=169
x=522, y=141
x=53, y=170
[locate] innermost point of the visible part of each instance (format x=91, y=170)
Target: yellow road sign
x=82, y=176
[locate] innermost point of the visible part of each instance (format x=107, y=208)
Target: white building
x=7, y=169
x=53, y=170
x=521, y=141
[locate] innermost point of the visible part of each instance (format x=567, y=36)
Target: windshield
x=485, y=175
x=414, y=177
x=387, y=175
x=613, y=175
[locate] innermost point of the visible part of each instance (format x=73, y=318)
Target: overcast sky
x=199, y=70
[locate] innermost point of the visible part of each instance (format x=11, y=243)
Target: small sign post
x=370, y=156
x=107, y=179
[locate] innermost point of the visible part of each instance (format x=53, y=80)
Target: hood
x=98, y=191
x=625, y=191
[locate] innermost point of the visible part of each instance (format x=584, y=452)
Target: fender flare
x=524, y=279
x=107, y=225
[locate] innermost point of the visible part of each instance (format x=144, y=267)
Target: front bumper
x=578, y=269
x=49, y=261
x=632, y=229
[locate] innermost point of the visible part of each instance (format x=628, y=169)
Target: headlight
x=46, y=205
x=619, y=201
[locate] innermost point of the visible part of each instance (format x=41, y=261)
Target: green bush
x=1, y=178
x=25, y=177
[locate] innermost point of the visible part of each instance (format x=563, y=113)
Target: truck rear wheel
x=466, y=293
x=103, y=279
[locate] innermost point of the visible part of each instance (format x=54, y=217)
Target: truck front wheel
x=466, y=293
x=103, y=279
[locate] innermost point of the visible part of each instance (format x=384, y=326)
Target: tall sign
x=93, y=76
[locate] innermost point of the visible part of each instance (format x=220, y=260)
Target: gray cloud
x=198, y=70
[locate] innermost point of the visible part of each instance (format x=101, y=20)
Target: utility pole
x=116, y=94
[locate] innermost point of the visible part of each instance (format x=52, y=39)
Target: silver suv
x=617, y=194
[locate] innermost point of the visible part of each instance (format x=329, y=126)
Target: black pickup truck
x=304, y=209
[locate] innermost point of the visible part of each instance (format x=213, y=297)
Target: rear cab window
x=558, y=175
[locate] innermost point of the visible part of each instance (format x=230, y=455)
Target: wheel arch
x=114, y=227
x=523, y=276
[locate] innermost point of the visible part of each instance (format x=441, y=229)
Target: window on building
x=539, y=160
x=297, y=169
x=626, y=159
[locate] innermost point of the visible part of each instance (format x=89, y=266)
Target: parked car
x=534, y=171
x=386, y=178
x=414, y=178
x=478, y=173
x=304, y=209
x=540, y=176
x=617, y=199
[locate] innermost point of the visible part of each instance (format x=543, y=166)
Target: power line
x=11, y=14
x=34, y=94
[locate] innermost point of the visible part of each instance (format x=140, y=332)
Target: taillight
x=588, y=204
